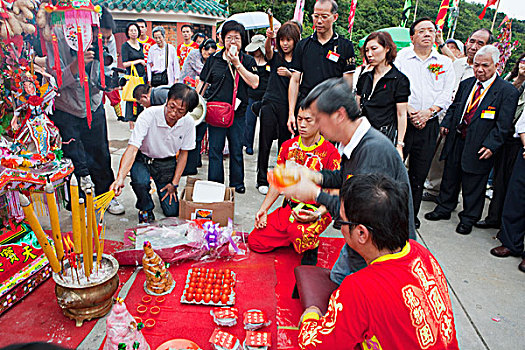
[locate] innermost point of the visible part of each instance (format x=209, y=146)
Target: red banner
x=489, y=3
x=442, y=13
x=351, y=16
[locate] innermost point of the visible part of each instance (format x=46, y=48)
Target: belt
x=149, y=160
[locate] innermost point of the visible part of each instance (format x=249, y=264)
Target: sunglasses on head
x=340, y=222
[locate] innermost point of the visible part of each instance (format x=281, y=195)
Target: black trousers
x=87, y=148
x=274, y=117
x=513, y=217
x=454, y=180
x=420, y=146
x=503, y=164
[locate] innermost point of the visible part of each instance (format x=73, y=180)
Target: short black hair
x=419, y=20
x=379, y=202
x=234, y=26
x=331, y=95
x=129, y=26
x=198, y=35
x=186, y=26
x=106, y=19
x=141, y=20
x=207, y=44
x=488, y=31
x=140, y=90
x=189, y=96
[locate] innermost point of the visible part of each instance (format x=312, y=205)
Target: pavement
x=487, y=292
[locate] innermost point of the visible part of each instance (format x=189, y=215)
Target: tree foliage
x=372, y=15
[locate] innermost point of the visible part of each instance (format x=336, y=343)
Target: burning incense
x=84, y=234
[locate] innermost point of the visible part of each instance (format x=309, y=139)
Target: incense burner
x=84, y=299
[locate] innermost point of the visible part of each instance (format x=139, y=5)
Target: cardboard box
x=218, y=211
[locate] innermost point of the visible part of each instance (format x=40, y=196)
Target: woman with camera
x=225, y=80
x=133, y=56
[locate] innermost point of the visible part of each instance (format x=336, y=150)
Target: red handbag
x=221, y=114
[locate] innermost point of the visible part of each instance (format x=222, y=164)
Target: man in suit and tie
x=476, y=125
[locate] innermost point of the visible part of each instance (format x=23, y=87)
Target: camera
x=108, y=59
x=115, y=79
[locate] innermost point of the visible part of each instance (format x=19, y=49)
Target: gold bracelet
x=311, y=316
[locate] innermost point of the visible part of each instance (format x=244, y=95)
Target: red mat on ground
x=289, y=310
x=39, y=318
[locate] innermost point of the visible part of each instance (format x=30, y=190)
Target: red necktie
x=470, y=112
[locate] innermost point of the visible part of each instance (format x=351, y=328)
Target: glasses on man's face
x=424, y=30
x=322, y=17
x=340, y=223
x=230, y=39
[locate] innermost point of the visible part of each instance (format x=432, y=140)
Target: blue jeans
x=216, y=139
x=251, y=122
x=194, y=156
x=162, y=172
x=88, y=148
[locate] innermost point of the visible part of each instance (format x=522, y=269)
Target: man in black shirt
x=321, y=56
x=364, y=150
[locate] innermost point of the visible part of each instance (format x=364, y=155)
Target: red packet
x=225, y=312
x=223, y=339
x=254, y=317
x=258, y=339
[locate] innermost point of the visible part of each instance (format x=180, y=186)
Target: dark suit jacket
x=502, y=98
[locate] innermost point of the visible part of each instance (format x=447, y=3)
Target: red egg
x=189, y=296
x=207, y=298
x=216, y=298
x=198, y=297
x=224, y=298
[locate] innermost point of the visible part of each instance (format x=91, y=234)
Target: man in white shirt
x=431, y=78
x=476, y=126
x=463, y=69
x=163, y=64
x=159, y=134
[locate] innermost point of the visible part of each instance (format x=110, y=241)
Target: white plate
x=208, y=192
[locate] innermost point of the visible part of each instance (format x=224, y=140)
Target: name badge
x=488, y=114
x=332, y=56
x=268, y=68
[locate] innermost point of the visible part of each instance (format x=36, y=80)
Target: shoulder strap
x=236, y=85
x=167, y=54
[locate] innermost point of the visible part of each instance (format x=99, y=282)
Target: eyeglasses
x=317, y=16
x=232, y=38
x=423, y=31
x=340, y=222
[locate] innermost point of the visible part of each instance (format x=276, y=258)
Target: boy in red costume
x=187, y=44
x=401, y=299
x=297, y=223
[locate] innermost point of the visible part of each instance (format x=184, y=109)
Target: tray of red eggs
x=209, y=287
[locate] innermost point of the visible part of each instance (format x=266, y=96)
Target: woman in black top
x=219, y=71
x=255, y=49
x=133, y=55
x=274, y=110
x=383, y=92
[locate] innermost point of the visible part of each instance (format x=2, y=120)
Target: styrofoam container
x=208, y=191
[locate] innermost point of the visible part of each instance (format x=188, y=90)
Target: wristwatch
x=400, y=143
x=176, y=186
x=441, y=46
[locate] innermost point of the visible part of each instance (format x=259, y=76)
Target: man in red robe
x=296, y=223
x=400, y=300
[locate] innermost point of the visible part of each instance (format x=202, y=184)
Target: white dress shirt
x=463, y=71
x=156, y=139
x=359, y=133
x=425, y=90
x=157, y=62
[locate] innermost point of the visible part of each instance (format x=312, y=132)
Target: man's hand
x=305, y=216
x=117, y=186
x=131, y=125
x=284, y=72
x=310, y=309
x=444, y=131
x=419, y=118
x=270, y=33
x=292, y=125
x=439, y=37
x=485, y=153
x=304, y=191
x=261, y=219
x=171, y=191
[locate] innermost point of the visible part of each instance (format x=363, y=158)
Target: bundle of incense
x=88, y=255
x=103, y=201
x=85, y=236
x=33, y=222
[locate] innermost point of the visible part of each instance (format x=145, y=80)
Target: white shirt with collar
x=156, y=139
x=157, y=62
x=485, y=85
x=463, y=71
x=359, y=133
x=425, y=90
x=520, y=125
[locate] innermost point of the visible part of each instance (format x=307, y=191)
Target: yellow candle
x=75, y=213
x=55, y=222
x=84, y=234
x=33, y=222
x=88, y=256
x=96, y=234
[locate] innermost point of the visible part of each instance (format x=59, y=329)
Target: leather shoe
x=501, y=252
x=463, y=229
x=417, y=223
x=240, y=190
x=427, y=197
x=433, y=216
x=521, y=266
x=486, y=224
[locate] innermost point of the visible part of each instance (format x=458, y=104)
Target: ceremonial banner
x=442, y=14
x=454, y=13
x=489, y=3
x=351, y=16
x=299, y=11
x=406, y=12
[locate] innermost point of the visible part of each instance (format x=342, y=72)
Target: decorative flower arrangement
x=436, y=69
